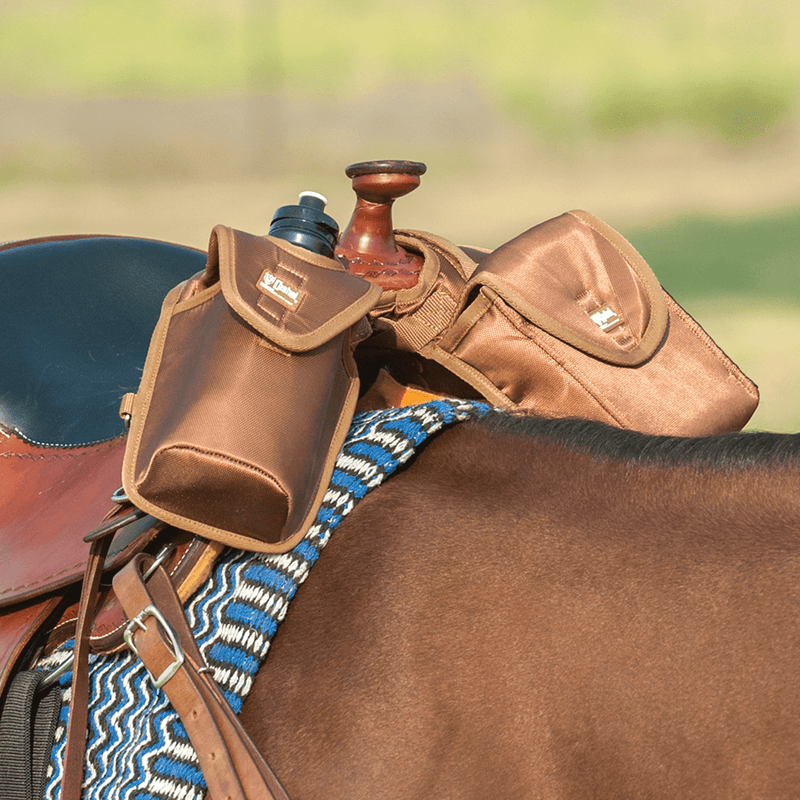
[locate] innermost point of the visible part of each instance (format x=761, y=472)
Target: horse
x=553, y=609
x=542, y=608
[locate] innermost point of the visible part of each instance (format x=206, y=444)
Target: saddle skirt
x=234, y=618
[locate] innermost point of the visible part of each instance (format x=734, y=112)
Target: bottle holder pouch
x=567, y=319
x=247, y=393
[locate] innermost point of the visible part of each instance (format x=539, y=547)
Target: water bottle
x=307, y=224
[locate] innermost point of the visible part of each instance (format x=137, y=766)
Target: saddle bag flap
x=296, y=299
x=567, y=319
x=247, y=393
x=591, y=292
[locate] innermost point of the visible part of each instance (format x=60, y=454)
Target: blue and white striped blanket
x=137, y=748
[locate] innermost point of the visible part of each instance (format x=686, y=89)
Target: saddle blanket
x=137, y=748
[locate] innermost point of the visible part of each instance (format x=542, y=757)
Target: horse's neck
x=519, y=473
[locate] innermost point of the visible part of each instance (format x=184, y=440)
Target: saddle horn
x=368, y=245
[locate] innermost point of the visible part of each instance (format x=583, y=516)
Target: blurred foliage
x=739, y=109
x=706, y=257
x=567, y=69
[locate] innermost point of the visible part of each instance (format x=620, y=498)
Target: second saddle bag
x=564, y=320
x=247, y=393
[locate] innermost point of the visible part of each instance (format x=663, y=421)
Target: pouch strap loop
x=420, y=315
x=416, y=330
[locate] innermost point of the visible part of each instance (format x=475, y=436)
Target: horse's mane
x=728, y=450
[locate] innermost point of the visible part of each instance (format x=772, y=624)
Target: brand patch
x=272, y=285
x=605, y=318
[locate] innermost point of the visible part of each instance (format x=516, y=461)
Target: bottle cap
x=307, y=224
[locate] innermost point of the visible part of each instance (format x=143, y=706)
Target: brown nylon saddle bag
x=566, y=319
x=247, y=393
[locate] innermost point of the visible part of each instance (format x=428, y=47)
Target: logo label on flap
x=605, y=318
x=275, y=287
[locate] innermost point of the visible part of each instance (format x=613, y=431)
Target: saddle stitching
x=47, y=579
x=65, y=622
x=44, y=581
x=57, y=452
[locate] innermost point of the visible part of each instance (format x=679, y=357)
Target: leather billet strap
x=72, y=781
x=159, y=634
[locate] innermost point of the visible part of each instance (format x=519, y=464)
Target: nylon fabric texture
x=243, y=397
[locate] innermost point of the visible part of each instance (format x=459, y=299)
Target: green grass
x=567, y=69
x=707, y=257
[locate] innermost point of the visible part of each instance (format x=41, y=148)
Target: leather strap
x=72, y=781
x=159, y=634
x=420, y=315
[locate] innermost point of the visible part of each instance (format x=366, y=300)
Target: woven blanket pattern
x=137, y=748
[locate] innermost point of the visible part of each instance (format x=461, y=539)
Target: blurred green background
x=677, y=122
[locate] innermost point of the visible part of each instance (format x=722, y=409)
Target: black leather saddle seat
x=78, y=314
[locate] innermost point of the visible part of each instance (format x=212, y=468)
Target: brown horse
x=551, y=610
x=532, y=609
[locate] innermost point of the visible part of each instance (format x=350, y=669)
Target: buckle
x=177, y=651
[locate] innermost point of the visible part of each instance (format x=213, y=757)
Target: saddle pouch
x=247, y=393
x=564, y=320
x=567, y=319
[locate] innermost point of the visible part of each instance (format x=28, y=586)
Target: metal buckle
x=55, y=674
x=119, y=496
x=163, y=554
x=177, y=651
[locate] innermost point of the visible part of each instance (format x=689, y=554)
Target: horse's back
x=513, y=618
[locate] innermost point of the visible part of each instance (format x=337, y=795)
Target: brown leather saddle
x=80, y=312
x=78, y=315
x=78, y=321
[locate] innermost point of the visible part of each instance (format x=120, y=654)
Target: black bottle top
x=307, y=224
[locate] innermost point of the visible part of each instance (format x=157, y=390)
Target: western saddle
x=73, y=347
x=78, y=320
x=80, y=311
